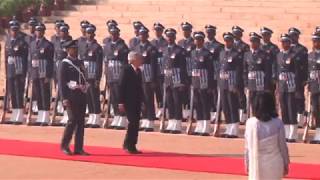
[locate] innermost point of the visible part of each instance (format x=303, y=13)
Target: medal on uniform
x=212, y=50
x=90, y=53
x=259, y=61
x=288, y=61
x=144, y=54
x=230, y=59
x=201, y=59
x=115, y=53
x=16, y=48
x=42, y=50
x=189, y=48
x=173, y=56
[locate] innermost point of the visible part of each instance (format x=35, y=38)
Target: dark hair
x=264, y=107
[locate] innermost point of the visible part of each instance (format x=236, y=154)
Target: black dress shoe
x=111, y=127
x=57, y=124
x=291, y=140
x=17, y=123
x=232, y=136
x=148, y=129
x=224, y=135
x=195, y=133
x=165, y=131
x=95, y=126
x=44, y=124
x=81, y=153
x=66, y=151
x=315, y=142
x=133, y=151
x=175, y=132
x=87, y=126
x=142, y=129
x=120, y=128
x=204, y=134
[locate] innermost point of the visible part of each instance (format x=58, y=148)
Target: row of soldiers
x=197, y=73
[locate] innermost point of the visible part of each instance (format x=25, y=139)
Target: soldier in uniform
x=215, y=48
x=115, y=53
x=31, y=24
x=110, y=24
x=16, y=62
x=287, y=72
x=59, y=54
x=93, y=70
x=159, y=42
x=187, y=43
x=56, y=36
x=314, y=84
x=41, y=73
x=73, y=88
x=133, y=42
x=229, y=83
x=175, y=80
x=82, y=40
x=202, y=81
x=257, y=69
x=301, y=56
x=241, y=47
x=149, y=78
x=272, y=50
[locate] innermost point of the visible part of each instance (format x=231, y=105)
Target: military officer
x=314, y=84
x=93, y=70
x=159, y=42
x=16, y=62
x=202, y=81
x=133, y=42
x=257, y=69
x=287, y=72
x=241, y=47
x=229, y=83
x=301, y=56
x=82, y=39
x=175, y=80
x=188, y=44
x=115, y=53
x=110, y=24
x=272, y=50
x=31, y=24
x=149, y=78
x=73, y=87
x=56, y=36
x=41, y=73
x=215, y=48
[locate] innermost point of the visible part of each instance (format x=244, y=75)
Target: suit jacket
x=130, y=88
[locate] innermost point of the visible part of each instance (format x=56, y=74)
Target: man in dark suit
x=130, y=99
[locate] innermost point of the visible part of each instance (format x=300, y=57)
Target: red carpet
x=105, y=155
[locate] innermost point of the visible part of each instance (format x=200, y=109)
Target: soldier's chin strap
x=78, y=69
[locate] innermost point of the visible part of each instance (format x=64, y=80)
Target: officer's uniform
x=82, y=40
x=202, y=80
x=272, y=50
x=241, y=47
x=110, y=25
x=16, y=62
x=56, y=38
x=215, y=48
x=187, y=43
x=159, y=43
x=115, y=57
x=93, y=60
x=133, y=42
x=59, y=54
x=149, y=78
x=229, y=82
x=72, y=87
x=257, y=70
x=301, y=56
x=287, y=72
x=175, y=79
x=314, y=86
x=41, y=73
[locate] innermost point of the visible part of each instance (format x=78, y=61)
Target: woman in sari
x=266, y=152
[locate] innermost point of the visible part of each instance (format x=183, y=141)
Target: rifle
x=218, y=116
x=104, y=99
x=189, y=127
x=5, y=105
x=26, y=93
x=248, y=103
x=107, y=111
x=28, y=121
x=163, y=117
x=308, y=119
x=55, y=105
